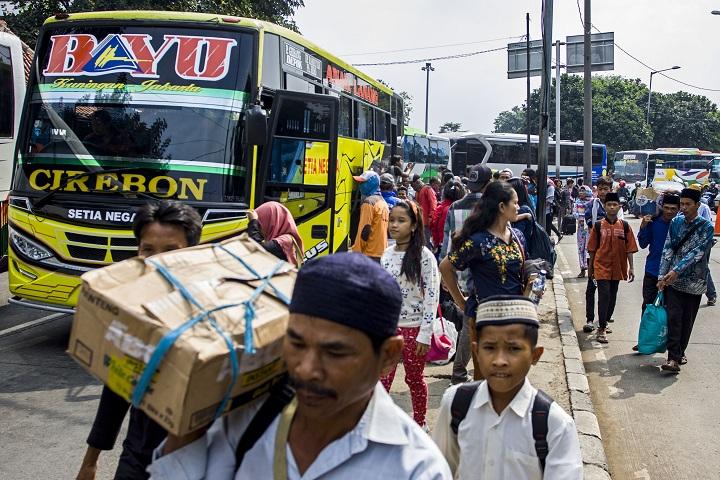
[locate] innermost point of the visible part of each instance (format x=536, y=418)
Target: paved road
x=654, y=425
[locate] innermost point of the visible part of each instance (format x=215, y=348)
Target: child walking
x=414, y=267
x=503, y=427
x=578, y=211
x=611, y=246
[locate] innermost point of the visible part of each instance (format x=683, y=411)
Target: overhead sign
x=517, y=59
x=602, y=52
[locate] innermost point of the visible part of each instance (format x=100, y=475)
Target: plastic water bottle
x=538, y=287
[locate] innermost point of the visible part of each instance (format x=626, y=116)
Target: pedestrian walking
x=505, y=175
x=652, y=235
x=530, y=177
x=611, y=245
x=490, y=248
x=371, y=239
x=452, y=192
x=578, y=211
x=273, y=226
x=705, y=212
x=683, y=274
x=478, y=179
x=594, y=211
x=341, y=423
x=415, y=269
x=525, y=221
x=426, y=197
x=158, y=227
x=503, y=427
x=551, y=210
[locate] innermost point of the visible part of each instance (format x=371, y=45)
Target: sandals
x=582, y=274
x=670, y=366
x=601, y=336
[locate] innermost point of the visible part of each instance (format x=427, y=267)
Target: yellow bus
x=221, y=112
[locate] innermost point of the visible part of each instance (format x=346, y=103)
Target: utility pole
x=546, y=80
x=557, y=109
x=427, y=68
x=527, y=104
x=587, y=109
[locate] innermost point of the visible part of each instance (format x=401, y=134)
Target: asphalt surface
x=655, y=425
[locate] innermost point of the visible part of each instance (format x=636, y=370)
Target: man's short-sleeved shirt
x=612, y=249
x=495, y=266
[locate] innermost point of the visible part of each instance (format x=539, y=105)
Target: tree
x=407, y=106
x=677, y=120
x=450, y=127
x=29, y=15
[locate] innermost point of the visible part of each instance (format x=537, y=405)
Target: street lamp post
x=427, y=68
x=650, y=88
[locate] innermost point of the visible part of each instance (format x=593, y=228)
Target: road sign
x=602, y=52
x=517, y=59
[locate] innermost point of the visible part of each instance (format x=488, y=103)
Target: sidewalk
x=561, y=363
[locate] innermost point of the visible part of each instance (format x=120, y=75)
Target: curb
x=583, y=412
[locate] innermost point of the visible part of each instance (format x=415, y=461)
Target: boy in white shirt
x=503, y=427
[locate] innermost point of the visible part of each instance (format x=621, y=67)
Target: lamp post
x=427, y=68
x=650, y=88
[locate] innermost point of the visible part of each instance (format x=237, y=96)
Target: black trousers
x=550, y=226
x=590, y=301
x=607, y=296
x=649, y=290
x=682, y=309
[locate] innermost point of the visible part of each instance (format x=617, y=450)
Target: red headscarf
x=277, y=223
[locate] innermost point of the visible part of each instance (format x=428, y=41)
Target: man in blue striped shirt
x=683, y=274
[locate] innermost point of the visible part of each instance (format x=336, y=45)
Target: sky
x=473, y=90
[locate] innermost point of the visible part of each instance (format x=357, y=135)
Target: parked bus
x=424, y=152
x=508, y=150
x=682, y=165
x=13, y=54
x=127, y=107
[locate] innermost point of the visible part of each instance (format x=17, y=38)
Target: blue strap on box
x=171, y=337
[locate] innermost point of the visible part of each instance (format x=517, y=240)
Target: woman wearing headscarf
x=578, y=211
x=273, y=226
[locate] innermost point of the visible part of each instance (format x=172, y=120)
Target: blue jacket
x=390, y=198
x=654, y=235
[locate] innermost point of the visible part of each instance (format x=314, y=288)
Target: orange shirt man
x=611, y=245
x=372, y=232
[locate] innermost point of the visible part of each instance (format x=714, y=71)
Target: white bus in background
x=12, y=94
x=680, y=165
x=509, y=150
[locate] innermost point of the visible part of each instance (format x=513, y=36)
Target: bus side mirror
x=256, y=126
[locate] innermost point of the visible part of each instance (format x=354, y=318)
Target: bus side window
x=345, y=123
x=7, y=93
x=363, y=121
x=380, y=126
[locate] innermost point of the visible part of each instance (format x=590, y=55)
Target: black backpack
x=540, y=413
x=540, y=246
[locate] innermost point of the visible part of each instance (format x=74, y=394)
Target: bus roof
x=513, y=137
x=218, y=19
x=671, y=151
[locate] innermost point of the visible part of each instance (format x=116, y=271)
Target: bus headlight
x=27, y=247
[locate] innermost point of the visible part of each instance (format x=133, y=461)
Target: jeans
x=607, y=296
x=463, y=355
x=550, y=226
x=682, y=309
x=590, y=301
x=710, y=287
x=649, y=291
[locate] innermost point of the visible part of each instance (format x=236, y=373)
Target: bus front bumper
x=38, y=287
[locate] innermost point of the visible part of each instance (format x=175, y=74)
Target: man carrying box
x=341, y=423
x=158, y=227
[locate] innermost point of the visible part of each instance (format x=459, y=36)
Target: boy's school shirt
x=489, y=446
x=611, y=252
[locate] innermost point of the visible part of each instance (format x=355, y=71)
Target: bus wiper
x=44, y=199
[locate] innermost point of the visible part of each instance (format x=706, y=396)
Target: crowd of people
x=464, y=243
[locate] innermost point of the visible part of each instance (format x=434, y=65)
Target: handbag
x=652, y=335
x=442, y=342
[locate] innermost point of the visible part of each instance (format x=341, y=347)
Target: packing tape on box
x=168, y=340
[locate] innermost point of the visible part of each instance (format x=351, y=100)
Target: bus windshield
x=630, y=167
x=165, y=103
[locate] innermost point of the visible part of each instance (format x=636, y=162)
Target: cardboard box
x=126, y=308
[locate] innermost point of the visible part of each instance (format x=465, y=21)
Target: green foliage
x=450, y=127
x=619, y=109
x=32, y=13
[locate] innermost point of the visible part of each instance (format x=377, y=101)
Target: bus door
x=299, y=165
